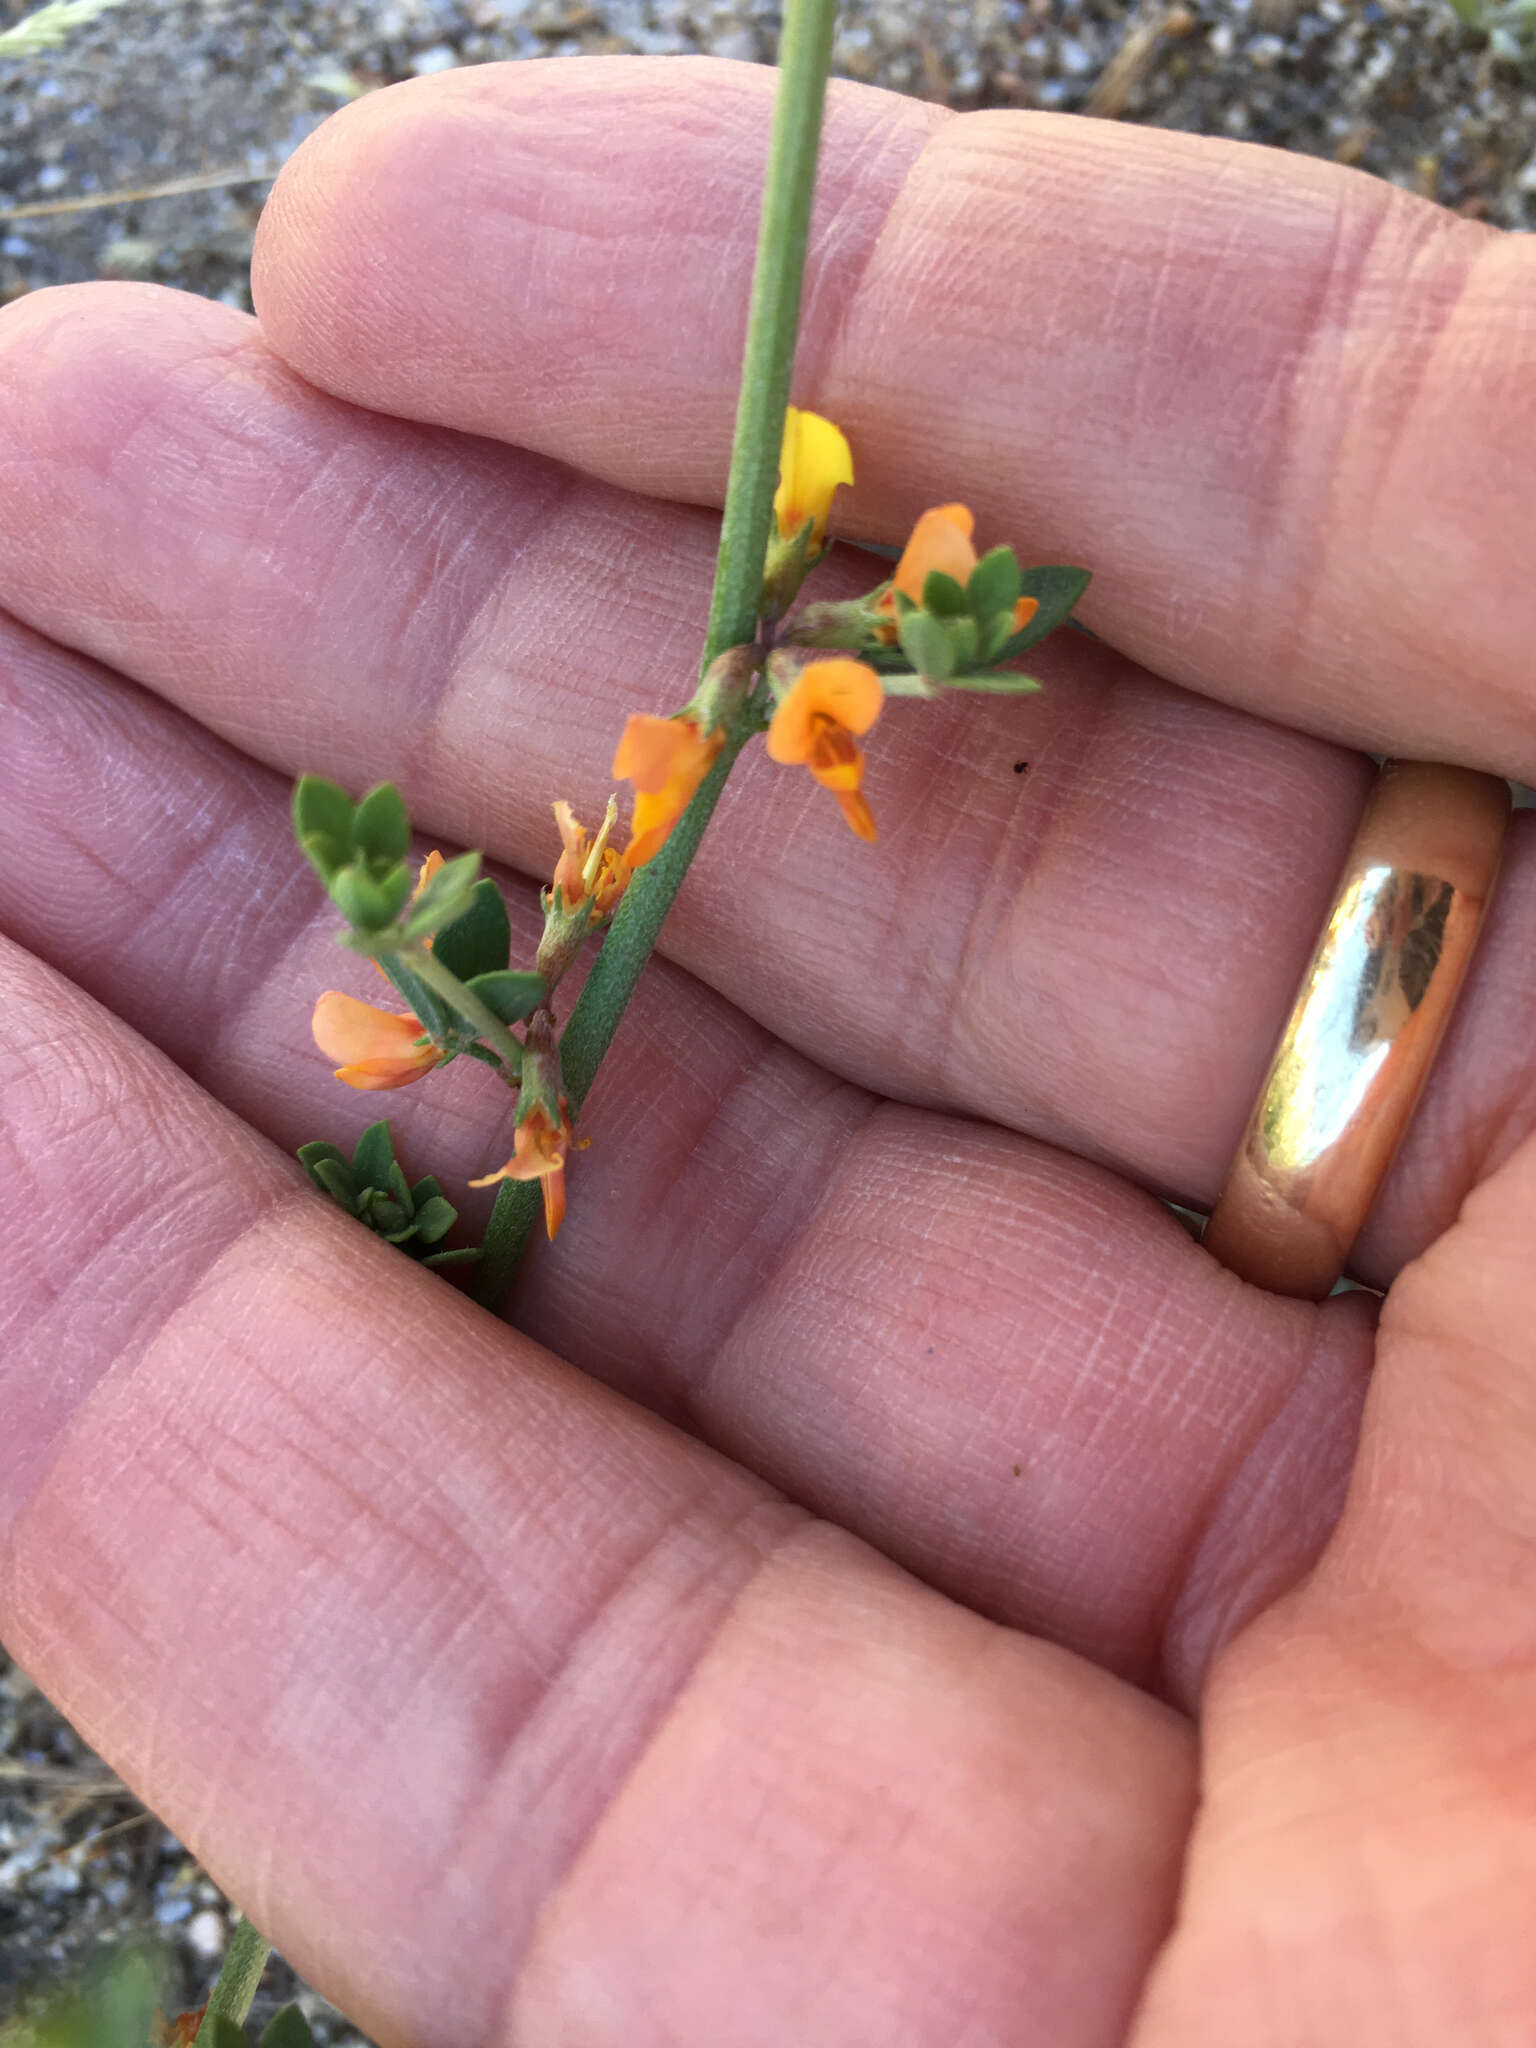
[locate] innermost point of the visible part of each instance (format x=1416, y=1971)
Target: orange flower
x=376, y=1048
x=588, y=866
x=941, y=540
x=815, y=724
x=666, y=759
x=539, y=1148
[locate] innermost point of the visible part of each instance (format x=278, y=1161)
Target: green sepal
x=371, y=903
x=287, y=2029
x=322, y=823
x=998, y=682
x=462, y=1255
x=480, y=940
x=995, y=586
x=435, y=1218
x=925, y=643
x=445, y=898
x=220, y=2031
x=381, y=829
x=511, y=994
x=1058, y=590
x=425, y=1190
x=943, y=596
x=334, y=1176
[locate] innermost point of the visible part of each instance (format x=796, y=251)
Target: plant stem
x=773, y=319
x=426, y=966
x=244, y=1961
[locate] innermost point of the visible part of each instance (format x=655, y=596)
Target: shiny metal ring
x=1364, y=1029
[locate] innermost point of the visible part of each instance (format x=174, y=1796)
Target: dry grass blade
x=204, y=181
x=50, y=26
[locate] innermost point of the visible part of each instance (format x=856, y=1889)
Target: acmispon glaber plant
x=814, y=678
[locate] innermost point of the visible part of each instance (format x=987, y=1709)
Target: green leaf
x=381, y=829
x=424, y=1004
x=322, y=824
x=400, y=1188
x=387, y=1217
x=335, y=1177
x=943, y=596
x=926, y=645
x=964, y=642
x=994, y=636
x=435, y=1218
x=480, y=941
x=310, y=1155
x=995, y=585
x=287, y=2029
x=371, y=903
x=424, y=1191
x=511, y=994
x=463, y=1255
x=374, y=1155
x=1058, y=590
x=445, y=898
x=220, y=2031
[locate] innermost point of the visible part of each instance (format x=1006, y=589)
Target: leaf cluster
x=360, y=853
x=959, y=638
x=372, y=1187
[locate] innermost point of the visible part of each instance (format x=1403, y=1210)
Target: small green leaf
x=335, y=1177
x=1058, y=590
x=400, y=1188
x=387, y=1217
x=463, y=1255
x=995, y=635
x=926, y=645
x=310, y=1155
x=479, y=941
x=322, y=822
x=445, y=898
x=511, y=994
x=374, y=1155
x=370, y=903
x=995, y=585
x=287, y=2029
x=424, y=1004
x=964, y=642
x=943, y=596
x=381, y=828
x=424, y=1191
x=435, y=1218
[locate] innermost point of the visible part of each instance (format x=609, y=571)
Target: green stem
x=244, y=1961
x=805, y=54
x=424, y=963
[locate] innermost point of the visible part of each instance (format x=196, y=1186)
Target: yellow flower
x=941, y=540
x=666, y=759
x=539, y=1148
x=813, y=461
x=376, y=1048
x=589, y=867
x=814, y=727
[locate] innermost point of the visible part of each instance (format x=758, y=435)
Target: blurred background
x=143, y=146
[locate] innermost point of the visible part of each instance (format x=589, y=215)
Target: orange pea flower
x=941, y=540
x=814, y=459
x=588, y=866
x=539, y=1148
x=376, y=1048
x=666, y=759
x=815, y=726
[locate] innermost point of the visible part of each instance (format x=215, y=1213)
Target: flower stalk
x=231, y=1997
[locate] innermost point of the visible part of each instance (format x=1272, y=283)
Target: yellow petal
x=813, y=461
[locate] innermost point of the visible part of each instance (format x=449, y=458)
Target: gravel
x=222, y=91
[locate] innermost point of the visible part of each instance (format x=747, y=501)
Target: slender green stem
x=230, y=1998
x=424, y=963
x=805, y=54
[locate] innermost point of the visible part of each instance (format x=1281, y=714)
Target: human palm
x=817, y=1619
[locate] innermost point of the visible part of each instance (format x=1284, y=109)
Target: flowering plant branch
x=814, y=680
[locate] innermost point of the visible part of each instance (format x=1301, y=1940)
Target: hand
x=506, y=1676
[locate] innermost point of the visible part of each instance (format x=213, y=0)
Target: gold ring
x=1363, y=1031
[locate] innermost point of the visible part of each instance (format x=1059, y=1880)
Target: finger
x=886, y=1311
x=1281, y=409
x=1369, y=1818
x=427, y=1646
x=340, y=591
